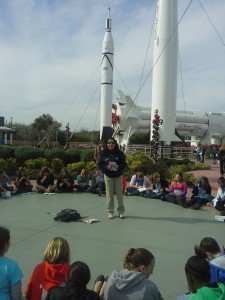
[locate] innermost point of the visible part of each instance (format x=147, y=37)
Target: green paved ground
x=168, y=230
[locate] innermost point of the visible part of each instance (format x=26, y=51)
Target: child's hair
x=140, y=175
x=205, y=180
x=207, y=244
x=57, y=251
x=4, y=239
x=198, y=267
x=19, y=172
x=222, y=181
x=181, y=176
x=44, y=170
x=79, y=271
x=135, y=258
x=65, y=170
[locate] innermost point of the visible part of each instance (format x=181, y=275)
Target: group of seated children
x=46, y=182
x=54, y=278
x=158, y=188
x=176, y=191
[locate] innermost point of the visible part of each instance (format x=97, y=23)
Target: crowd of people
x=108, y=179
x=59, y=279
x=46, y=182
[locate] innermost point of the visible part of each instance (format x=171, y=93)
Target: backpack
x=67, y=215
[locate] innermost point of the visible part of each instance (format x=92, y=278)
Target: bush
x=75, y=168
x=37, y=163
x=12, y=165
x=190, y=179
x=50, y=154
x=57, y=165
x=138, y=162
x=6, y=151
x=72, y=156
x=25, y=152
x=87, y=155
x=198, y=166
x=90, y=168
x=3, y=163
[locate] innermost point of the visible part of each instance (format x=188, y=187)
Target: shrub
x=139, y=162
x=198, y=166
x=6, y=151
x=50, y=154
x=25, y=152
x=173, y=170
x=190, y=179
x=72, y=156
x=12, y=165
x=87, y=155
x=3, y=163
x=37, y=163
x=75, y=168
x=57, y=165
x=90, y=168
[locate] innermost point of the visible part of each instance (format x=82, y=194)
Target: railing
x=164, y=151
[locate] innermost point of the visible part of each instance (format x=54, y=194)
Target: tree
x=24, y=132
x=44, y=126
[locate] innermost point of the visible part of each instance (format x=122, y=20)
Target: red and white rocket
x=107, y=82
x=164, y=80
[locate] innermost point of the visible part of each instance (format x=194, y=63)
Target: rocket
x=164, y=77
x=107, y=82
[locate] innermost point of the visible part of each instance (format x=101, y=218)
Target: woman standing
x=112, y=163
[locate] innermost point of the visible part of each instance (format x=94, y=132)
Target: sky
x=50, y=57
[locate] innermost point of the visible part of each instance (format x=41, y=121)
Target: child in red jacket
x=51, y=272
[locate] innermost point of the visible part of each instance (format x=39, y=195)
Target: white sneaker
x=122, y=216
x=110, y=215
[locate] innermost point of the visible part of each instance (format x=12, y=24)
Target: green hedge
x=6, y=151
x=24, y=153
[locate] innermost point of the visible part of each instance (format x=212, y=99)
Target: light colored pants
x=114, y=186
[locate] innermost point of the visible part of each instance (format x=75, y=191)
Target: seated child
x=159, y=188
x=45, y=181
x=138, y=184
x=22, y=183
x=201, y=194
x=75, y=287
x=82, y=182
x=64, y=182
x=51, y=272
x=10, y=272
x=210, y=250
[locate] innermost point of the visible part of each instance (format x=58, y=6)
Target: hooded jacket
x=130, y=285
x=44, y=277
x=206, y=293
x=106, y=156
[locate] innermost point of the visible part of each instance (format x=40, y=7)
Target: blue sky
x=50, y=55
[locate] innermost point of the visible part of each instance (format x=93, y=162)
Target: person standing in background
x=112, y=162
x=100, y=146
x=221, y=157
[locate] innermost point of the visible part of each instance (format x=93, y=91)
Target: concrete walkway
x=167, y=230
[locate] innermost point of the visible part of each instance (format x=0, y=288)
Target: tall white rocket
x=165, y=57
x=107, y=82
